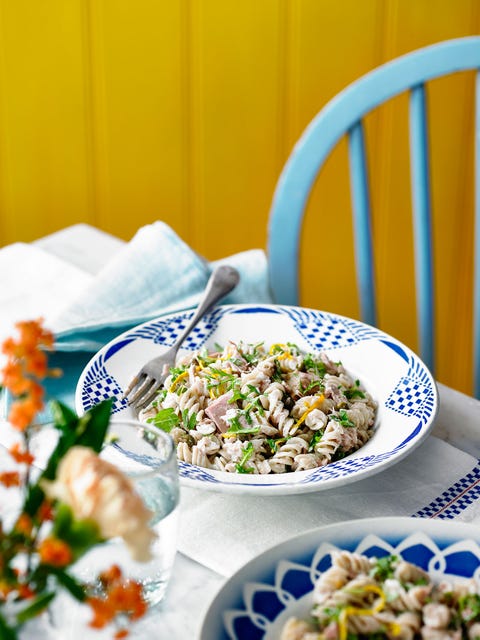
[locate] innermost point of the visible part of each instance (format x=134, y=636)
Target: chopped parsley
x=317, y=366
x=343, y=419
x=469, y=606
x=189, y=419
x=354, y=392
x=384, y=568
x=237, y=429
x=247, y=454
x=317, y=436
x=165, y=419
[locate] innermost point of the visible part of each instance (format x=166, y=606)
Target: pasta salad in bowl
x=273, y=400
x=403, y=578
x=243, y=409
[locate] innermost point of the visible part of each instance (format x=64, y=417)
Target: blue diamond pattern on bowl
x=197, y=473
x=100, y=385
x=166, y=332
x=323, y=331
x=409, y=397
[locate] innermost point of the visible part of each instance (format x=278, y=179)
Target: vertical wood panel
x=414, y=25
x=43, y=125
x=235, y=97
x=138, y=119
x=119, y=113
x=323, y=66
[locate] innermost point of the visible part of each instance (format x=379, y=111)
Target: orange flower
x=13, y=379
x=55, y=552
x=122, y=597
x=35, y=394
x=22, y=413
x=121, y=633
x=10, y=479
x=9, y=348
x=36, y=364
x=26, y=364
x=45, y=511
x=25, y=592
x=33, y=335
x=128, y=598
x=102, y=612
x=111, y=575
x=21, y=456
x=24, y=524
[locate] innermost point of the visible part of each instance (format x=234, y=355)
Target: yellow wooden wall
x=122, y=112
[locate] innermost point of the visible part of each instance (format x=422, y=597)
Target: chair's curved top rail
x=366, y=93
x=325, y=130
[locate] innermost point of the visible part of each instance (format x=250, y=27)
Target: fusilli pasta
x=360, y=597
x=243, y=409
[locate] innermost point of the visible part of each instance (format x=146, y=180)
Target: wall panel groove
x=119, y=113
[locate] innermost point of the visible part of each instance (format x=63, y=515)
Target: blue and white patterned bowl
x=257, y=601
x=396, y=378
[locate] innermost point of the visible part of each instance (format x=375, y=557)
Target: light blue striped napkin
x=155, y=273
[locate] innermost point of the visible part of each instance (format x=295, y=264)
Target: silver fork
x=144, y=386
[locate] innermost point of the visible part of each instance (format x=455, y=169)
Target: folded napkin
x=35, y=283
x=223, y=531
x=155, y=273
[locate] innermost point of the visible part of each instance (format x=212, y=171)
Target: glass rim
x=166, y=438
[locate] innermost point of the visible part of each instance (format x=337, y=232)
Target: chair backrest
x=344, y=115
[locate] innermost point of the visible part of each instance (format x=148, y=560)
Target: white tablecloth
x=440, y=475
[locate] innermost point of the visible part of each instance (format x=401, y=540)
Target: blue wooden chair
x=344, y=115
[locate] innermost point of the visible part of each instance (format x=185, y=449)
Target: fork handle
x=222, y=280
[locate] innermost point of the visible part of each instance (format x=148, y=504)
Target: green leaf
x=80, y=535
x=34, y=499
x=6, y=632
x=247, y=452
x=317, y=366
x=272, y=443
x=88, y=430
x=63, y=521
x=63, y=416
x=354, y=392
x=236, y=395
x=39, y=604
x=165, y=419
x=94, y=425
x=74, y=587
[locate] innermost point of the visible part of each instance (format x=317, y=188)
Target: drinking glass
x=147, y=456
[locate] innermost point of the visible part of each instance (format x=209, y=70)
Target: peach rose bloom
x=95, y=489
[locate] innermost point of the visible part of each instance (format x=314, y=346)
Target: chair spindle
x=421, y=210
x=362, y=223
